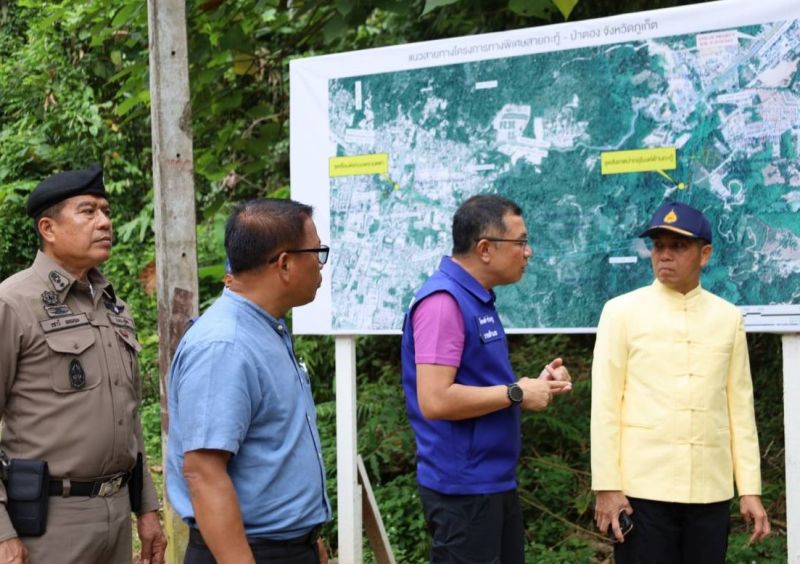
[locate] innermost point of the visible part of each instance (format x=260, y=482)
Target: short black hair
x=479, y=215
x=51, y=212
x=258, y=229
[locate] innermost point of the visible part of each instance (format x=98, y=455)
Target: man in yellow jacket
x=673, y=423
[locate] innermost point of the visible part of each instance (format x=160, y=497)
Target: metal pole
x=791, y=430
x=348, y=489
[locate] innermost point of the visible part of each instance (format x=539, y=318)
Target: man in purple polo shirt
x=462, y=396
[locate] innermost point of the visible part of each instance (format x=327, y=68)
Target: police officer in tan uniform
x=70, y=390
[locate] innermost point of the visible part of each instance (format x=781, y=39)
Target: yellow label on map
x=638, y=160
x=376, y=163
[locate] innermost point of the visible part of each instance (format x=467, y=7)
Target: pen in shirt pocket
x=302, y=364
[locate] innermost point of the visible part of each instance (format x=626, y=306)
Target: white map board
x=385, y=143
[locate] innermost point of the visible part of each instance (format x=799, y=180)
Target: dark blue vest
x=472, y=456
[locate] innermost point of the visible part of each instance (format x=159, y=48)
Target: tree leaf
x=335, y=29
x=542, y=9
x=212, y=272
x=244, y=63
x=431, y=5
x=142, y=97
x=123, y=16
x=234, y=39
x=396, y=6
x=229, y=102
x=565, y=7
x=344, y=7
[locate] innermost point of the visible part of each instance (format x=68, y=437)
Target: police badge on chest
x=77, y=377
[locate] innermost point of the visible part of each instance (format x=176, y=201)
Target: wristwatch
x=514, y=393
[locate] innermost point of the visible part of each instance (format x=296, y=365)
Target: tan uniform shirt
x=69, y=377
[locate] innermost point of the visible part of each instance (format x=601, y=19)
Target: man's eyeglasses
x=322, y=253
x=520, y=242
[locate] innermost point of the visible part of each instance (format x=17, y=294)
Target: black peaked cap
x=67, y=184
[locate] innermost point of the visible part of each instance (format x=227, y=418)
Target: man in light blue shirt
x=244, y=461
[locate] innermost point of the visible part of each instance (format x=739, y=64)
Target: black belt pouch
x=136, y=485
x=28, y=496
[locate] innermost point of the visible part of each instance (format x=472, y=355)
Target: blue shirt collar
x=278, y=325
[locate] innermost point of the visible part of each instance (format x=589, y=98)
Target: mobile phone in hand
x=625, y=525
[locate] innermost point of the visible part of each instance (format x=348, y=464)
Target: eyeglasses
x=322, y=253
x=520, y=242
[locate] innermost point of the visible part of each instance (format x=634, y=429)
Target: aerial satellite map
x=589, y=141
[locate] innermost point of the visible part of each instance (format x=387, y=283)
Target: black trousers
x=675, y=533
x=197, y=552
x=474, y=529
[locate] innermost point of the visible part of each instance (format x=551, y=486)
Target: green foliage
x=541, y=9
x=565, y=7
x=385, y=439
x=18, y=240
x=151, y=426
x=431, y=5
x=401, y=511
x=771, y=551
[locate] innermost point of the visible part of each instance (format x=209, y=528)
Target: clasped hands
x=538, y=392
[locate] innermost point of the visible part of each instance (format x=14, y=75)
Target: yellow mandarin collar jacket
x=672, y=398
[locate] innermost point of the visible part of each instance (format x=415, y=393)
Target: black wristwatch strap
x=514, y=393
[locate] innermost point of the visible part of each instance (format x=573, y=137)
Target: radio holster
x=27, y=483
x=136, y=484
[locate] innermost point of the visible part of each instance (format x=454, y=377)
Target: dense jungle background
x=74, y=90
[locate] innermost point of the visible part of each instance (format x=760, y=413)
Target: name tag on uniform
x=120, y=321
x=65, y=322
x=489, y=328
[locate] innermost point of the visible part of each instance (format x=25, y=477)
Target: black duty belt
x=102, y=487
x=310, y=538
